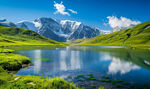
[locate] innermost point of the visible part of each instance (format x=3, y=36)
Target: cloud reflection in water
x=123, y=67
x=37, y=61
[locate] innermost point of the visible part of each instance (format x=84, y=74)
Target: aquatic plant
x=79, y=76
x=119, y=81
x=69, y=77
x=101, y=88
x=90, y=75
x=80, y=80
x=46, y=59
x=125, y=83
x=92, y=85
x=103, y=80
x=118, y=85
x=105, y=77
x=92, y=78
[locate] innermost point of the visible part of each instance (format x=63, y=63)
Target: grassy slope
x=135, y=36
x=77, y=41
x=19, y=36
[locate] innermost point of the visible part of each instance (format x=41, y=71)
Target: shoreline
x=9, y=80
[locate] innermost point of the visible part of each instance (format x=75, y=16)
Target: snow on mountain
x=62, y=31
x=4, y=22
x=27, y=25
x=50, y=29
x=70, y=26
x=77, y=30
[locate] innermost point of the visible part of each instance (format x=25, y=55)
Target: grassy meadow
x=18, y=36
x=137, y=36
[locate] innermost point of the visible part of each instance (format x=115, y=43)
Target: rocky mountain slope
x=62, y=31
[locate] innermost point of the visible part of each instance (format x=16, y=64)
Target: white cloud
x=121, y=22
x=60, y=8
x=75, y=12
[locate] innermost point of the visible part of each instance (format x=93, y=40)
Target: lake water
x=114, y=61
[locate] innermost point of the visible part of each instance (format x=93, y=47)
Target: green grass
x=138, y=36
x=2, y=50
x=77, y=41
x=36, y=82
x=18, y=36
x=11, y=61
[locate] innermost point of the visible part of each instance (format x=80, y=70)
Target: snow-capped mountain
x=27, y=25
x=77, y=30
x=50, y=29
x=70, y=26
x=4, y=22
x=62, y=31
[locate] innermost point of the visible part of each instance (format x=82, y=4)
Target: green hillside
x=77, y=41
x=19, y=36
x=136, y=36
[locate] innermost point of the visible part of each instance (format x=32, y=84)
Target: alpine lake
x=92, y=66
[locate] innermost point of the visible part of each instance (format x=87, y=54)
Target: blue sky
x=90, y=12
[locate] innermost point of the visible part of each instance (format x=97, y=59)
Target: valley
x=24, y=53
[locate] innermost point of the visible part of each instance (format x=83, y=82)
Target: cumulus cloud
x=60, y=8
x=75, y=12
x=121, y=22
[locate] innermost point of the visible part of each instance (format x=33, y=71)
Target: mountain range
x=4, y=22
x=61, y=31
